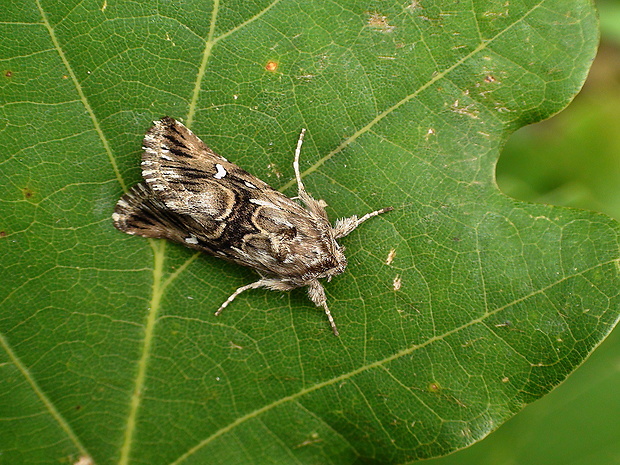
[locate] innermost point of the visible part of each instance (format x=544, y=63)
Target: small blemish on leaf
x=414, y=5
x=497, y=14
x=8, y=73
x=271, y=66
x=27, y=193
x=380, y=23
x=2, y=234
x=84, y=460
x=314, y=438
x=433, y=387
x=390, y=257
x=467, y=110
x=471, y=342
x=397, y=284
x=274, y=169
x=505, y=379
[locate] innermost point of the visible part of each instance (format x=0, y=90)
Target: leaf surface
x=457, y=309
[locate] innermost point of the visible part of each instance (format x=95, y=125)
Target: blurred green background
x=572, y=159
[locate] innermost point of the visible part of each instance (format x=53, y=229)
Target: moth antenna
x=344, y=226
x=232, y=297
x=367, y=216
x=300, y=185
x=331, y=319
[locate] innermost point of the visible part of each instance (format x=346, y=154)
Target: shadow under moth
x=195, y=197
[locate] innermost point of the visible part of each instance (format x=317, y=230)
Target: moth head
x=338, y=262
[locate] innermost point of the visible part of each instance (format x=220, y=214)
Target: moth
x=195, y=197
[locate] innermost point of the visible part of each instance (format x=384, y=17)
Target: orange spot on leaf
x=434, y=387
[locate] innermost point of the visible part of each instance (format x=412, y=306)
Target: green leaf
x=110, y=346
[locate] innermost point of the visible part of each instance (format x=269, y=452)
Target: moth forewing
x=195, y=197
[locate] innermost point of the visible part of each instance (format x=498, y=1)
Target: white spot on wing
x=221, y=172
x=191, y=240
x=116, y=217
x=171, y=174
x=250, y=185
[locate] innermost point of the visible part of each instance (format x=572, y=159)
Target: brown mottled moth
x=197, y=198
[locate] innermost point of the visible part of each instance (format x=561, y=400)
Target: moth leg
x=331, y=319
x=256, y=285
x=345, y=225
x=273, y=284
x=317, y=296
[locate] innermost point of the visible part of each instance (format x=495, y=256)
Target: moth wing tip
x=168, y=121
